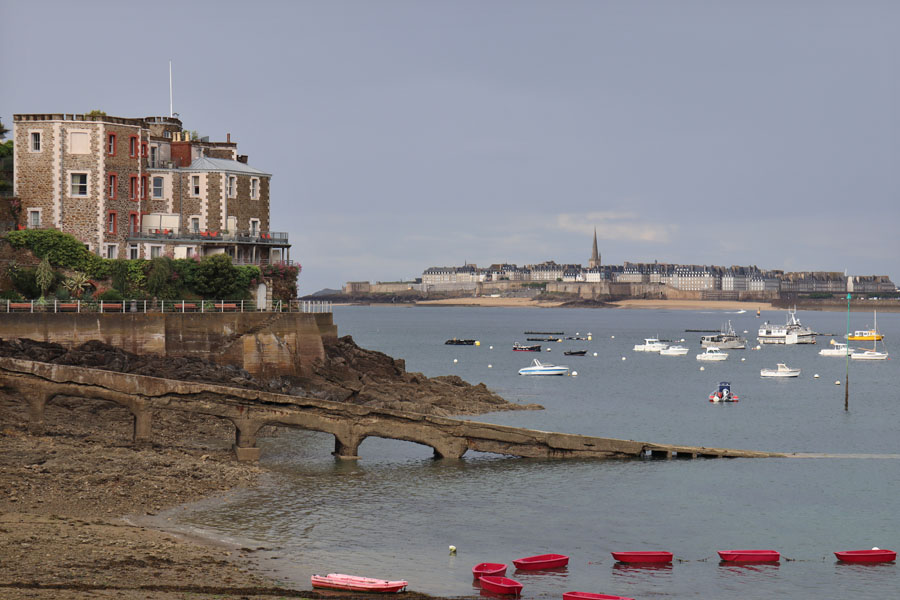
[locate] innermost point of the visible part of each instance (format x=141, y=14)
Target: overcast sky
x=410, y=134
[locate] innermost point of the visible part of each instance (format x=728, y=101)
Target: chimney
x=228, y=137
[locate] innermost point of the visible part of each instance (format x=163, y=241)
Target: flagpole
x=847, y=380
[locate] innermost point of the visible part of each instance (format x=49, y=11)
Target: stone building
x=141, y=188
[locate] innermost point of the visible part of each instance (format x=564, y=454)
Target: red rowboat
x=867, y=556
x=590, y=596
x=541, y=561
x=643, y=557
x=338, y=581
x=500, y=585
x=495, y=569
x=750, y=555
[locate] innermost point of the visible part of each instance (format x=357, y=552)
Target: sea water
x=393, y=513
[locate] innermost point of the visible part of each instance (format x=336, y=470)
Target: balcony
x=277, y=239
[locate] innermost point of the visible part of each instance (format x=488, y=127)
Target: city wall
x=265, y=344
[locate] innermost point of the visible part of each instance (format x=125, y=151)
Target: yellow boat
x=866, y=335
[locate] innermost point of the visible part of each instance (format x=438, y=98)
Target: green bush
x=111, y=296
x=62, y=294
x=11, y=295
x=24, y=281
x=216, y=278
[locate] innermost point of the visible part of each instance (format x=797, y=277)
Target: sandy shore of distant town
x=489, y=301
x=649, y=304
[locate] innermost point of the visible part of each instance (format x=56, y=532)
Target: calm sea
x=393, y=513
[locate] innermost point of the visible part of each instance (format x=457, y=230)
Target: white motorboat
x=782, y=370
x=539, y=368
x=651, y=345
x=712, y=353
x=792, y=332
x=836, y=349
x=674, y=351
x=726, y=339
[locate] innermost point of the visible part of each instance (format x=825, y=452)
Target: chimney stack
x=228, y=137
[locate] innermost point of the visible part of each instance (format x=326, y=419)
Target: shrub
x=111, y=296
x=11, y=295
x=216, y=278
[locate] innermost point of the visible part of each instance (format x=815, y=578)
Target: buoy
x=589, y=338
x=595, y=354
x=702, y=368
x=452, y=549
x=875, y=548
x=745, y=331
x=477, y=343
x=490, y=347
x=490, y=366
x=816, y=376
x=612, y=337
x=455, y=360
x=682, y=339
x=838, y=382
x=743, y=359
x=574, y=373
x=549, y=349
x=623, y=358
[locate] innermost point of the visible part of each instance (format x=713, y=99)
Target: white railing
x=169, y=306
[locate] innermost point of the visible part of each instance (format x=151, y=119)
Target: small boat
x=869, y=355
x=500, y=585
x=457, y=342
x=517, y=347
x=575, y=337
x=337, y=581
x=651, y=345
x=541, y=561
x=590, y=596
x=875, y=555
x=792, y=332
x=539, y=368
x=712, y=354
x=836, y=349
x=782, y=370
x=867, y=335
x=643, y=557
x=575, y=352
x=543, y=339
x=750, y=555
x=492, y=569
x=674, y=351
x=723, y=393
x=726, y=338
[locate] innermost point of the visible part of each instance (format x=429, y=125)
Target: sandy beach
x=635, y=304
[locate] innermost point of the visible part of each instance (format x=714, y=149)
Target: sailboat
x=872, y=354
x=866, y=335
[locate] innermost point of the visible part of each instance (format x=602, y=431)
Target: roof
x=205, y=163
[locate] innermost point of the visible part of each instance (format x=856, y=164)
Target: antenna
x=170, y=89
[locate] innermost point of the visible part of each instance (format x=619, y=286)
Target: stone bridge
x=249, y=410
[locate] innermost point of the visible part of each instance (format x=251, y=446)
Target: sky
x=407, y=134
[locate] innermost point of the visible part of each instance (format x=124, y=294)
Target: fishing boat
x=867, y=335
x=541, y=561
x=575, y=352
x=723, y=393
x=500, y=585
x=782, y=370
x=458, y=342
x=750, y=555
x=727, y=339
x=517, y=347
x=875, y=555
x=539, y=368
x=338, y=581
x=712, y=354
x=836, y=349
x=543, y=339
x=651, y=345
x=674, y=351
x=487, y=568
x=590, y=596
x=873, y=354
x=792, y=332
x=643, y=557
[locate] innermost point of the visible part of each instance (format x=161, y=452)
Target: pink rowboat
x=590, y=596
x=338, y=581
x=541, y=561
x=494, y=569
x=500, y=585
x=643, y=557
x=867, y=556
x=750, y=555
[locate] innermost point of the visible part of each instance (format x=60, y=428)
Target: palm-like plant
x=76, y=284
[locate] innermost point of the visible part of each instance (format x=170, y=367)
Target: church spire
x=595, y=255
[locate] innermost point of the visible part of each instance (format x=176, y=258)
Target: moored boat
x=750, y=555
x=517, y=347
x=643, y=557
x=867, y=335
x=874, y=353
x=339, y=581
x=541, y=561
x=727, y=339
x=458, y=342
x=500, y=585
x=651, y=345
x=539, y=368
x=875, y=555
x=792, y=332
x=575, y=352
x=836, y=349
x=590, y=596
x=782, y=370
x=723, y=393
x=487, y=568
x=674, y=351
x=712, y=354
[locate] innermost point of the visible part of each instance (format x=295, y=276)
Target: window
x=195, y=186
x=254, y=188
x=111, y=144
x=111, y=222
x=111, y=251
x=133, y=146
x=144, y=187
x=112, y=185
x=79, y=185
x=154, y=156
x=133, y=223
x=254, y=227
x=157, y=187
x=35, y=141
x=133, y=180
x=143, y=148
x=232, y=186
x=34, y=218
x=79, y=142
x=133, y=253
x=195, y=224
x=155, y=251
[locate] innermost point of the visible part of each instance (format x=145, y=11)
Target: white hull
x=651, y=345
x=869, y=355
x=738, y=344
x=840, y=352
x=539, y=368
x=674, y=351
x=781, y=371
x=712, y=354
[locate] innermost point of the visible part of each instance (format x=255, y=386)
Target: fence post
x=101, y=306
x=78, y=306
x=145, y=307
x=55, y=308
x=32, y=306
x=182, y=306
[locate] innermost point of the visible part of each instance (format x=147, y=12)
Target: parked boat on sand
x=541, y=561
x=338, y=581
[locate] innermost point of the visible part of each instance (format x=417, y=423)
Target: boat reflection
x=748, y=566
x=555, y=572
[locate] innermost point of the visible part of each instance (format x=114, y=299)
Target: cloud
x=618, y=226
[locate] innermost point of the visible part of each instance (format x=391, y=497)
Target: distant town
x=637, y=280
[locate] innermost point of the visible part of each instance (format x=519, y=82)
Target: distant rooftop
x=205, y=163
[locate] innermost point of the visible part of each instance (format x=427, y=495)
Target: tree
x=216, y=278
x=3, y=131
x=44, y=276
